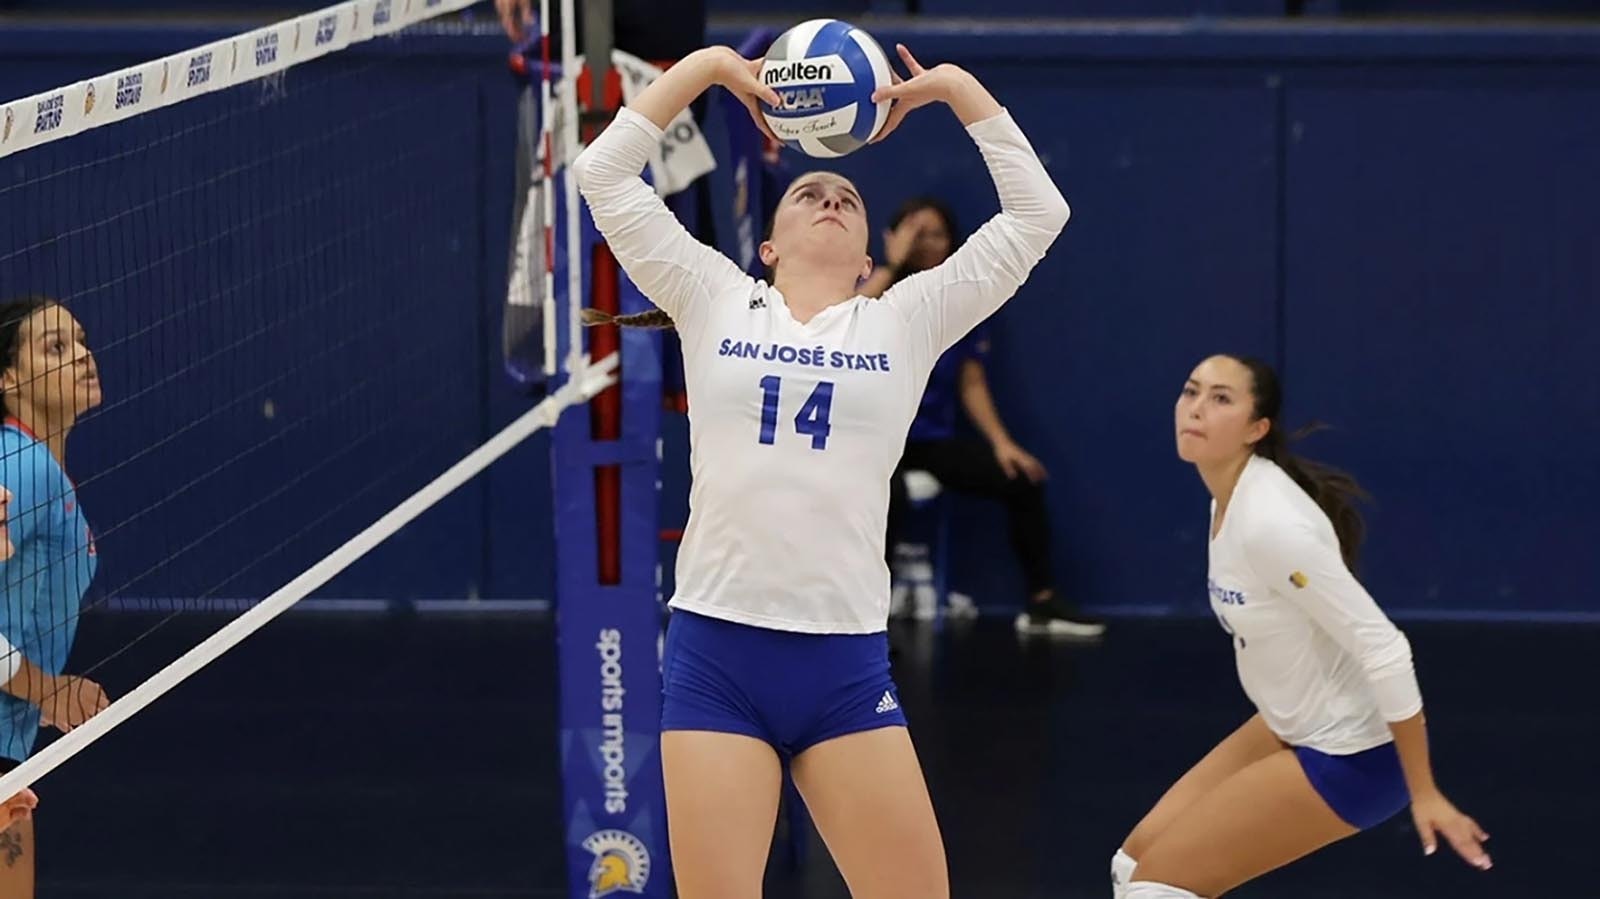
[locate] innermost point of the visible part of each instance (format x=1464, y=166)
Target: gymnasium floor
x=405, y=756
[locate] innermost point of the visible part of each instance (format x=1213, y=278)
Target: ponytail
x=1335, y=491
x=654, y=318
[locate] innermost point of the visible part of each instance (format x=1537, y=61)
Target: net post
x=604, y=470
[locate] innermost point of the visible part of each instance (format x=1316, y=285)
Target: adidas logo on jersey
x=758, y=302
x=887, y=703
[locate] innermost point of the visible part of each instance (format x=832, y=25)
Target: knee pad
x=1122, y=865
x=1144, y=889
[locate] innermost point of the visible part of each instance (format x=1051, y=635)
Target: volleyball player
x=1338, y=743
x=48, y=380
x=800, y=395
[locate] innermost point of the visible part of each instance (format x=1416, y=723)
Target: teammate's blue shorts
x=790, y=690
x=1365, y=789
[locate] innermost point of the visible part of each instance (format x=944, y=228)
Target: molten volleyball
x=825, y=72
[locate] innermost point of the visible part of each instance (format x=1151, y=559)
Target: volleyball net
x=280, y=274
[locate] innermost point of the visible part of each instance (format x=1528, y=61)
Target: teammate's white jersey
x=1322, y=663
x=795, y=429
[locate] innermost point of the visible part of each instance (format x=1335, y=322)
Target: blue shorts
x=787, y=689
x=1365, y=789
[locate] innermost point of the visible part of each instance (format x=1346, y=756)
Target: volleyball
x=825, y=72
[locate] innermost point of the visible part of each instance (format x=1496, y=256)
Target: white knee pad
x=1122, y=865
x=1144, y=889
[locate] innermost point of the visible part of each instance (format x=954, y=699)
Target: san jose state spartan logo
x=621, y=863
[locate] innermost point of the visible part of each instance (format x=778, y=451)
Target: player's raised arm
x=671, y=268
x=948, y=301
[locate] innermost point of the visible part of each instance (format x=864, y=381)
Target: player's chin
x=88, y=395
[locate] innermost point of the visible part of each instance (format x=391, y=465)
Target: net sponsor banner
x=265, y=51
x=119, y=95
x=198, y=71
x=43, y=117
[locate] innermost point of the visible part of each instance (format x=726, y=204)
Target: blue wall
x=1402, y=216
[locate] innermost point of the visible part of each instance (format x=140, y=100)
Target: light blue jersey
x=42, y=584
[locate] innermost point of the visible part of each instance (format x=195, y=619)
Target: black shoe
x=1055, y=617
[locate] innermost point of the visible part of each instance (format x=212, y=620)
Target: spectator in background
x=922, y=234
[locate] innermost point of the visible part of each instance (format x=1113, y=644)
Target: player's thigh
x=16, y=861
x=1261, y=818
x=1251, y=743
x=722, y=801
x=867, y=796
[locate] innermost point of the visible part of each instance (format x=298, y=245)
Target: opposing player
x=800, y=395
x=48, y=380
x=1338, y=744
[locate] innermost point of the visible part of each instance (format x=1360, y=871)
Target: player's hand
x=923, y=87
x=742, y=78
x=898, y=242
x=77, y=700
x=1016, y=461
x=515, y=16
x=1435, y=816
x=18, y=808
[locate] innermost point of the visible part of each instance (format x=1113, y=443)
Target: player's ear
x=769, y=254
x=866, y=268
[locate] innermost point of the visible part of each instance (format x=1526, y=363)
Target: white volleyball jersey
x=1322, y=663
x=795, y=429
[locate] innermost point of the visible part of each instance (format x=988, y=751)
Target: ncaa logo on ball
x=621, y=863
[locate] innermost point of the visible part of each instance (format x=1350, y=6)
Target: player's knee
x=1139, y=841
x=1155, y=872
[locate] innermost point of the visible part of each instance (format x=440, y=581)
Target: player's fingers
x=1478, y=831
x=910, y=61
x=897, y=114
x=750, y=84
x=1036, y=471
x=1430, y=843
x=758, y=118
x=1465, y=843
x=503, y=7
x=527, y=12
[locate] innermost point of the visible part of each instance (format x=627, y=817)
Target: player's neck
x=1220, y=479
x=48, y=432
x=808, y=295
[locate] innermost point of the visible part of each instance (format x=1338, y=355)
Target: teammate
x=1338, y=744
x=922, y=234
x=48, y=380
x=801, y=392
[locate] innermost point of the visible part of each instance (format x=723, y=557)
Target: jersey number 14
x=811, y=420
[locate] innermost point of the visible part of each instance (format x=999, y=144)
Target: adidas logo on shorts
x=887, y=703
